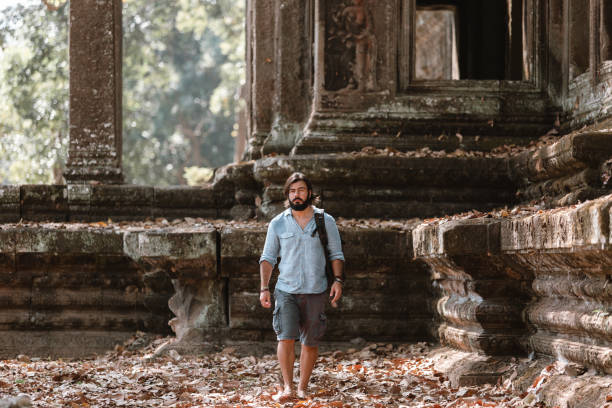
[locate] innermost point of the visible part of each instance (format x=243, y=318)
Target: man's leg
x=308, y=357
x=286, y=357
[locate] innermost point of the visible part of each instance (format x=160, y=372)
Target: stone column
x=260, y=30
x=95, y=92
x=291, y=74
x=605, y=38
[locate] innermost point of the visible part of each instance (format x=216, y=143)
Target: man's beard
x=299, y=207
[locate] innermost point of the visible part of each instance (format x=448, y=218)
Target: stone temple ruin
x=464, y=146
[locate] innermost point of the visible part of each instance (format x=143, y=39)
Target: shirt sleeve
x=334, y=244
x=271, y=247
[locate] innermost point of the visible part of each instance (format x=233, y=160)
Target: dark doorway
x=488, y=42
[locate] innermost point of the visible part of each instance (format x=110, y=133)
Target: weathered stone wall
x=73, y=289
x=68, y=289
x=387, y=294
x=548, y=274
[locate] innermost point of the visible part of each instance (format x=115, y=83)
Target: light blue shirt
x=302, y=265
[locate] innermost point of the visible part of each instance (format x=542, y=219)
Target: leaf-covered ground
x=372, y=375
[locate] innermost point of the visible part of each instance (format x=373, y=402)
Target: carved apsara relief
x=350, y=47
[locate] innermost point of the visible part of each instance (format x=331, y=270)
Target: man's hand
x=264, y=299
x=335, y=293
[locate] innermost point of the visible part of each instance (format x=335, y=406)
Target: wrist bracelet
x=264, y=290
x=337, y=279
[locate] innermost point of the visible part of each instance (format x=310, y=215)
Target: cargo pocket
x=276, y=321
x=321, y=327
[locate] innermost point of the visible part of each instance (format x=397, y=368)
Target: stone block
x=44, y=202
x=481, y=341
x=120, y=202
x=576, y=351
x=242, y=242
x=15, y=297
x=181, y=201
x=7, y=240
x=10, y=205
x=183, y=254
x=74, y=343
x=242, y=212
x=47, y=298
x=416, y=329
x=480, y=236
x=572, y=316
x=65, y=241
x=64, y=271
x=570, y=154
x=374, y=243
x=198, y=306
x=15, y=318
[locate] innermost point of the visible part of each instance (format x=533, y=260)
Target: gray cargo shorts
x=300, y=316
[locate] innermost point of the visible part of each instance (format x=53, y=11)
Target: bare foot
x=302, y=394
x=284, y=396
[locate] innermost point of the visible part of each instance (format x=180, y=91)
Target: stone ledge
x=572, y=152
x=74, y=343
x=465, y=237
x=564, y=173
x=348, y=170
x=579, y=226
x=590, y=355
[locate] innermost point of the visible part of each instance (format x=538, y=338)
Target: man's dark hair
x=295, y=177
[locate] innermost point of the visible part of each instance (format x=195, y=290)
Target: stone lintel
x=95, y=92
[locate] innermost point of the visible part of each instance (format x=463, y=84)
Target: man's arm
x=336, y=259
x=336, y=288
x=265, y=272
x=266, y=265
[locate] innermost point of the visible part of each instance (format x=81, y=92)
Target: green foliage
x=34, y=91
x=183, y=62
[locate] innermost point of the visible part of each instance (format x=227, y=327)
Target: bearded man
x=301, y=290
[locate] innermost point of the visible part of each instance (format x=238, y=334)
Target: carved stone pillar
x=95, y=92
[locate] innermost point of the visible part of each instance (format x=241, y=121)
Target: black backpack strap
x=320, y=222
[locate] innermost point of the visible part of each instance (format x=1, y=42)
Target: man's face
x=298, y=192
